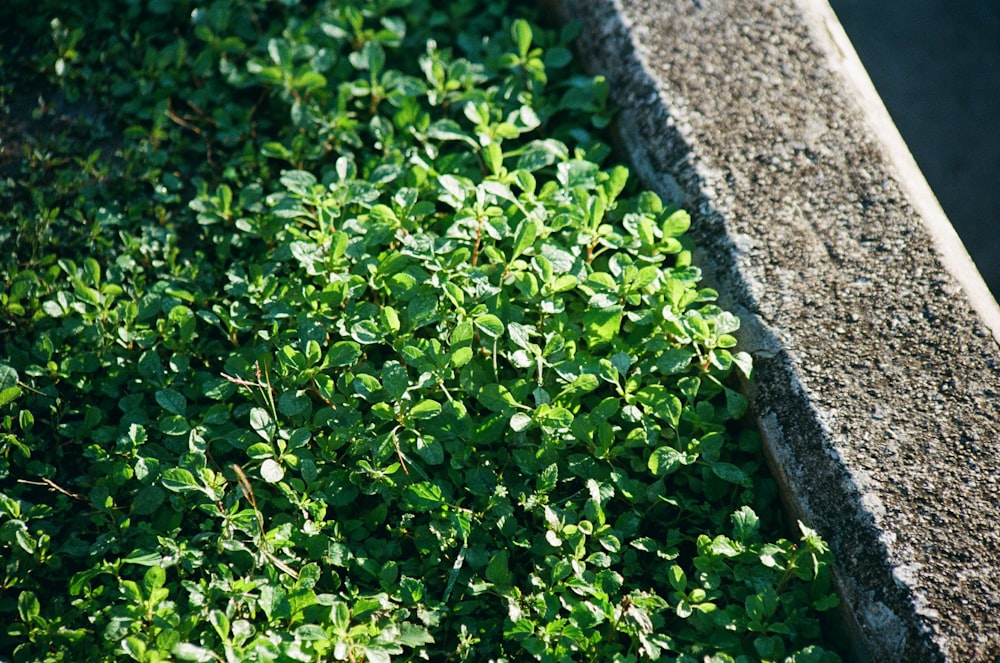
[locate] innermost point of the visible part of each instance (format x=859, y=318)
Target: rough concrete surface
x=877, y=384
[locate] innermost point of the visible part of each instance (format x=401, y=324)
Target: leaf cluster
x=354, y=348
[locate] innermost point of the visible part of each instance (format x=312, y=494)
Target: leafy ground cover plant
x=354, y=347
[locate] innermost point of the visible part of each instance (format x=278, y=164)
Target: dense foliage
x=328, y=334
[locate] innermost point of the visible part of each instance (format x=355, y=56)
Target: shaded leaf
x=172, y=401
x=496, y=397
x=730, y=473
x=343, y=353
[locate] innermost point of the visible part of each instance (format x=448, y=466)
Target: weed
x=346, y=353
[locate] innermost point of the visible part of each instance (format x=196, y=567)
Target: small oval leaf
x=271, y=471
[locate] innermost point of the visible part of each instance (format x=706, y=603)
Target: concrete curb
x=877, y=380
x=830, y=36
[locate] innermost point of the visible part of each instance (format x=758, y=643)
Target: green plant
x=345, y=354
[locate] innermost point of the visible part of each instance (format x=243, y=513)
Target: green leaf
x=661, y=403
x=457, y=189
x=665, y=460
x=462, y=333
x=521, y=336
x=746, y=524
x=602, y=282
x=370, y=57
x=174, y=425
x=677, y=577
x=130, y=590
x=298, y=181
x=413, y=636
x=726, y=323
x=310, y=256
x=481, y=481
x=82, y=579
x=723, y=545
x=260, y=422
x=154, y=578
x=493, y=156
x=554, y=418
x=545, y=482
x=602, y=325
x=178, y=480
x=421, y=308
x=744, y=363
x=430, y=451
x=172, y=401
x=147, y=501
x=271, y=471
x=292, y=404
x=28, y=607
x=394, y=379
x=675, y=360
x=577, y=173
x=9, y=394
x=539, y=154
x=10, y=506
x=689, y=387
x=187, y=651
x=383, y=411
x=309, y=80
x=524, y=237
x=583, y=384
x=676, y=224
x=731, y=473
x=308, y=470
x=143, y=558
x=521, y=31
x=736, y=404
x=521, y=421
x=390, y=319
x=343, y=353
x=498, y=570
x=313, y=352
x=425, y=409
x=85, y=294
x=489, y=325
x=769, y=647
x=260, y=451
x=827, y=602
x=135, y=648
x=273, y=149
x=8, y=377
x=615, y=184
x=496, y=397
x=300, y=437
x=447, y=129
x=762, y=606
x=423, y=496
x=366, y=332
x=220, y=622
x=461, y=356
x=184, y=318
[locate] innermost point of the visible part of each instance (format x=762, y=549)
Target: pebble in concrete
x=878, y=374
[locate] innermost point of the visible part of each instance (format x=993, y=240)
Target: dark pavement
x=936, y=64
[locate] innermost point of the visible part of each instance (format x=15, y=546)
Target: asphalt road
x=936, y=64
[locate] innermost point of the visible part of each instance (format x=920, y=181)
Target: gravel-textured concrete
x=877, y=382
